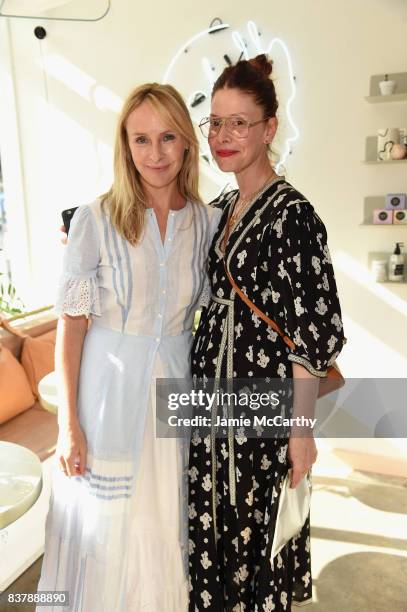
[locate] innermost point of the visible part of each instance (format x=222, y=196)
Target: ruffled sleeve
x=302, y=274
x=78, y=292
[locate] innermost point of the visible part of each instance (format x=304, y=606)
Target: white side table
x=47, y=389
x=20, y=482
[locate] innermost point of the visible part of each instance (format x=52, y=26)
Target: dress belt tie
x=227, y=341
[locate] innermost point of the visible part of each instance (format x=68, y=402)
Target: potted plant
x=10, y=304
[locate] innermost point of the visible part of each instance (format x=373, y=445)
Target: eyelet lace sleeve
x=78, y=296
x=78, y=291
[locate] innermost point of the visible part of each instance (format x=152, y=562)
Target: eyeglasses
x=239, y=127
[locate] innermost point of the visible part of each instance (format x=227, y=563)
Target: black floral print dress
x=277, y=253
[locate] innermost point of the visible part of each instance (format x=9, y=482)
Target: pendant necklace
x=232, y=218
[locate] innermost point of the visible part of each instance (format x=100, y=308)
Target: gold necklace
x=253, y=196
x=234, y=216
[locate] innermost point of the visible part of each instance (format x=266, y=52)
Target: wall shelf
x=385, y=163
x=371, y=154
x=373, y=202
x=400, y=93
x=392, y=282
x=385, y=255
x=370, y=203
x=398, y=97
x=398, y=225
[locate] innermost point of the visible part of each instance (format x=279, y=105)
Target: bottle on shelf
x=379, y=270
x=396, y=264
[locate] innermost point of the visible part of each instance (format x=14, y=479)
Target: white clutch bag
x=293, y=509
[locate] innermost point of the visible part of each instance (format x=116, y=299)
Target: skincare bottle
x=396, y=264
x=379, y=270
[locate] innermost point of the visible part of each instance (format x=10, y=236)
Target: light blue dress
x=116, y=538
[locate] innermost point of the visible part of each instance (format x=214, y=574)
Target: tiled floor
x=359, y=542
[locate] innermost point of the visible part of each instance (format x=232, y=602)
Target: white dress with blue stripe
x=116, y=538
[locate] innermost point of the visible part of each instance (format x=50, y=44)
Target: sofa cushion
x=35, y=429
x=34, y=328
x=15, y=391
x=37, y=358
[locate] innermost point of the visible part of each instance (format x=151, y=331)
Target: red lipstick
x=225, y=152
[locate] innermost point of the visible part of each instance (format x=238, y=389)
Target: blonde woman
x=134, y=264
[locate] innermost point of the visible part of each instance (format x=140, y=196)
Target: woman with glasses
x=270, y=247
x=116, y=532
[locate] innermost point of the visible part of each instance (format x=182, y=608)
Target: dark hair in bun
x=252, y=77
x=263, y=64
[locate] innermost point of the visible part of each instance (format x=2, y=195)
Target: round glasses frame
x=210, y=132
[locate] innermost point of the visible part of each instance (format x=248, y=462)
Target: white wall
x=65, y=117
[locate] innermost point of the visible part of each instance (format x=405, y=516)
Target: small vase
x=387, y=87
x=398, y=151
x=386, y=138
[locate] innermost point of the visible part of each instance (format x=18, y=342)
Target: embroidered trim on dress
x=249, y=207
x=304, y=362
x=256, y=216
x=302, y=603
x=213, y=421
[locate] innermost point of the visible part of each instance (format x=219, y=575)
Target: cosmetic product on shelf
x=396, y=264
x=378, y=269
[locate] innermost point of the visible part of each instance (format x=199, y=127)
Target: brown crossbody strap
x=258, y=312
x=246, y=300
x=333, y=380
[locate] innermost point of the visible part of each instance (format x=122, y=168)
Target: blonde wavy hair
x=125, y=200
